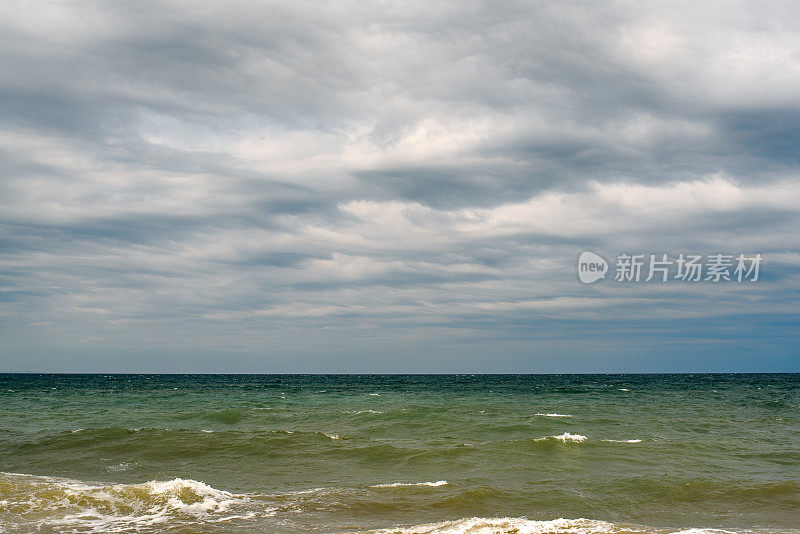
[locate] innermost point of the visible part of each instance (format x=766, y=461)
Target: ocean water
x=411, y=454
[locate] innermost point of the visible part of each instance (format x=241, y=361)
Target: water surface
x=417, y=453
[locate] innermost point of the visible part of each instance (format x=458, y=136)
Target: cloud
x=361, y=186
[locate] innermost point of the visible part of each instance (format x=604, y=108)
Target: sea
x=476, y=454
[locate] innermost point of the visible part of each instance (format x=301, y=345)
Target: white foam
x=623, y=440
x=249, y=515
x=398, y=484
x=80, y=506
x=374, y=394
x=304, y=492
x=552, y=415
x=518, y=525
x=122, y=466
x=565, y=437
x=212, y=499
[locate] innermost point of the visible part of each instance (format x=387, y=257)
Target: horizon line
x=178, y=373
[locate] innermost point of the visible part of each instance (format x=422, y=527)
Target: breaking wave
x=565, y=437
x=71, y=505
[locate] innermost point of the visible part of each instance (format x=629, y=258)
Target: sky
x=395, y=186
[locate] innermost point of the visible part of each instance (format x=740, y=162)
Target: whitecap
x=398, y=484
x=622, y=440
x=122, y=466
x=553, y=415
x=565, y=437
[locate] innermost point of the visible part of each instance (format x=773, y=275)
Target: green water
x=444, y=453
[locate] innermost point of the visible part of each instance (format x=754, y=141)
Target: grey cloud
x=276, y=179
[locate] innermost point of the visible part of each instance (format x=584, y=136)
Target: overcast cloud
x=400, y=186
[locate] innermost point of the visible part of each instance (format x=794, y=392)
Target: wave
x=126, y=448
x=522, y=525
x=565, y=437
x=399, y=484
x=781, y=494
x=31, y=503
x=778, y=404
x=228, y=416
x=552, y=415
x=167, y=441
x=59, y=503
x=516, y=525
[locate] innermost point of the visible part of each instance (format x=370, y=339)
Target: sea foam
x=398, y=484
x=517, y=525
x=72, y=504
x=565, y=437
